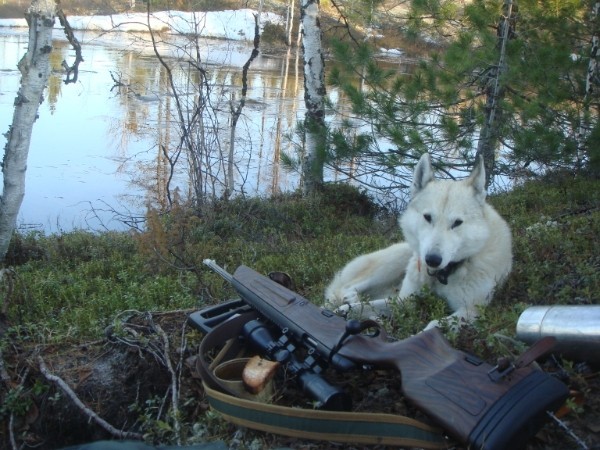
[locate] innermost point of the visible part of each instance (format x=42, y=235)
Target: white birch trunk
x=593, y=62
x=592, y=71
x=35, y=71
x=314, y=96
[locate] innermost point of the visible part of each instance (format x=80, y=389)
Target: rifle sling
x=348, y=427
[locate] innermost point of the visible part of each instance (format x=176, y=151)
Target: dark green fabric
x=136, y=445
x=334, y=427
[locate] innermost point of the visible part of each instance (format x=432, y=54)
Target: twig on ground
x=87, y=411
x=174, y=388
x=182, y=348
x=570, y=432
x=11, y=432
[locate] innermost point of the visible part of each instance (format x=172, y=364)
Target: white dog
x=456, y=244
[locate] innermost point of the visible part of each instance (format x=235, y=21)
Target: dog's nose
x=433, y=260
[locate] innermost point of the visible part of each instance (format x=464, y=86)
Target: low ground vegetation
x=105, y=311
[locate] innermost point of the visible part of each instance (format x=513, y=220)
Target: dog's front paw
x=451, y=323
x=336, y=299
x=432, y=324
x=374, y=309
x=350, y=296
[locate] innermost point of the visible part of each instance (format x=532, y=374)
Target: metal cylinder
x=576, y=329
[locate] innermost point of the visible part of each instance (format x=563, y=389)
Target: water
x=95, y=153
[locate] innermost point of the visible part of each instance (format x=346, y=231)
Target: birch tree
x=592, y=79
x=314, y=97
x=35, y=70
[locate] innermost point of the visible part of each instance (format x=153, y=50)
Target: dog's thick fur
x=456, y=243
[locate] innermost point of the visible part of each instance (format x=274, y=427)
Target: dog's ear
x=423, y=174
x=477, y=179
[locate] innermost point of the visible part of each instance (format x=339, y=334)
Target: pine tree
x=525, y=61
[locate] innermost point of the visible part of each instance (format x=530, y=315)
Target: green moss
x=71, y=285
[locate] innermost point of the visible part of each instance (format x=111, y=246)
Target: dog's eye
x=427, y=217
x=457, y=223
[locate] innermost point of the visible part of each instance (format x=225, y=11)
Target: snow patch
x=230, y=24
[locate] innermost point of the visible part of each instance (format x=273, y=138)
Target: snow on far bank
x=391, y=52
x=231, y=24
x=236, y=25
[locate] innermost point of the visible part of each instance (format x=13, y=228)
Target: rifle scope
x=329, y=397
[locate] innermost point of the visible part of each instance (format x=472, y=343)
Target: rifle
x=480, y=405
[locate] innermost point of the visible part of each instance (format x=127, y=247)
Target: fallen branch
x=174, y=388
x=570, y=432
x=87, y=411
x=11, y=432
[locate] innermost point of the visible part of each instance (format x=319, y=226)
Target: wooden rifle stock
x=482, y=406
x=458, y=392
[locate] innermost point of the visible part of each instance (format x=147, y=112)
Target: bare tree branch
x=87, y=411
x=74, y=68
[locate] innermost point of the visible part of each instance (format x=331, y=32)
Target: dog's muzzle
x=442, y=274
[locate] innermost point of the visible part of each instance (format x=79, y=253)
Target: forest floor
x=105, y=316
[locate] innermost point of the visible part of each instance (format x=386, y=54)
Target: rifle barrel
x=453, y=388
x=215, y=267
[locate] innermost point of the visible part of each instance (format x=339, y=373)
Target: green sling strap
x=348, y=427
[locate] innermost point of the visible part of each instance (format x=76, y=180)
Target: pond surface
x=95, y=150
